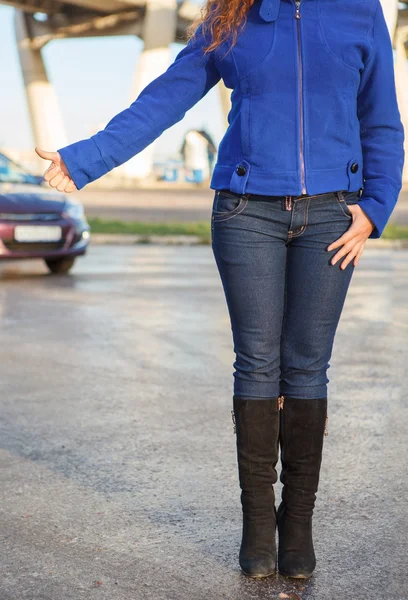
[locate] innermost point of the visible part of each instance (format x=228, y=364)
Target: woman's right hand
x=57, y=173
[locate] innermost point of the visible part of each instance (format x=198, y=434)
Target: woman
x=309, y=168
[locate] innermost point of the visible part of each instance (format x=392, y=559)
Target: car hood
x=17, y=198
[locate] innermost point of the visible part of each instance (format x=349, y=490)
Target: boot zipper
x=233, y=420
x=300, y=75
x=281, y=400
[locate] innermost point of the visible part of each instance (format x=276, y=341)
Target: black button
x=354, y=168
x=241, y=170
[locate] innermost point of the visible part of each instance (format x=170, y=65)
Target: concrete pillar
x=390, y=9
x=401, y=80
x=158, y=33
x=399, y=35
x=225, y=97
x=44, y=111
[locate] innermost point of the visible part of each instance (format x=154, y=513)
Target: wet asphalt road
x=117, y=454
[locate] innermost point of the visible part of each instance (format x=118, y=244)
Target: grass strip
x=137, y=227
x=395, y=232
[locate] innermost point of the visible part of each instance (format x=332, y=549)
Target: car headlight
x=74, y=210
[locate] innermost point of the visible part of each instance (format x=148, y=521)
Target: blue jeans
x=284, y=297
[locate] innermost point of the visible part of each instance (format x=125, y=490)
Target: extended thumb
x=46, y=155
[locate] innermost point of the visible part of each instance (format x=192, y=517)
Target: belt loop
x=340, y=196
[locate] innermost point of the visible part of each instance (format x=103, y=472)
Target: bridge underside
x=80, y=18
x=90, y=18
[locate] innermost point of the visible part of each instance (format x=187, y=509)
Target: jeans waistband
x=252, y=196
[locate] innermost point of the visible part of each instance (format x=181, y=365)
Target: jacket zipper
x=300, y=76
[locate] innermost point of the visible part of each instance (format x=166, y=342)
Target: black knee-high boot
x=302, y=429
x=257, y=429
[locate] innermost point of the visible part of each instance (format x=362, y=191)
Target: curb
x=126, y=239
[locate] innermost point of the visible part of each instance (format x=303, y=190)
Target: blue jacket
x=314, y=106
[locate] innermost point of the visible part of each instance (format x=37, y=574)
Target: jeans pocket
x=345, y=199
x=227, y=205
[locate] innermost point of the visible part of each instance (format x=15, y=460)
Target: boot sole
x=252, y=576
x=298, y=576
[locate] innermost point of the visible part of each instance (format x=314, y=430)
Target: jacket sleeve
x=381, y=130
x=162, y=103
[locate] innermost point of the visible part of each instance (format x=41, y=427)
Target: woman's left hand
x=354, y=239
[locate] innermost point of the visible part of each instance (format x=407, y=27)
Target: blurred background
x=62, y=81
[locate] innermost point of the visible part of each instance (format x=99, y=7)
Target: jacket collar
x=269, y=10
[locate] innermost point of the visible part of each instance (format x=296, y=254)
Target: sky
x=90, y=88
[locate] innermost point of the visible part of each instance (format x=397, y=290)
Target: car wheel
x=60, y=266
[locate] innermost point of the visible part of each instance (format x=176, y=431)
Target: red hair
x=220, y=20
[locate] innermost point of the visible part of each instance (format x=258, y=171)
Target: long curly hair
x=221, y=20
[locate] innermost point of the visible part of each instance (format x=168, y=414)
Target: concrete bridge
x=158, y=23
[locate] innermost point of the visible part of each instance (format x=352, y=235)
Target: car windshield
x=11, y=172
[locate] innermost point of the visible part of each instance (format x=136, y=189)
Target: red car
x=37, y=221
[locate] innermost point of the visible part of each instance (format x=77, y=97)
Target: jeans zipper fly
x=300, y=76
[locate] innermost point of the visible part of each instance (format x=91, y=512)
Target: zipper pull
x=233, y=420
x=281, y=400
x=326, y=431
x=297, y=13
